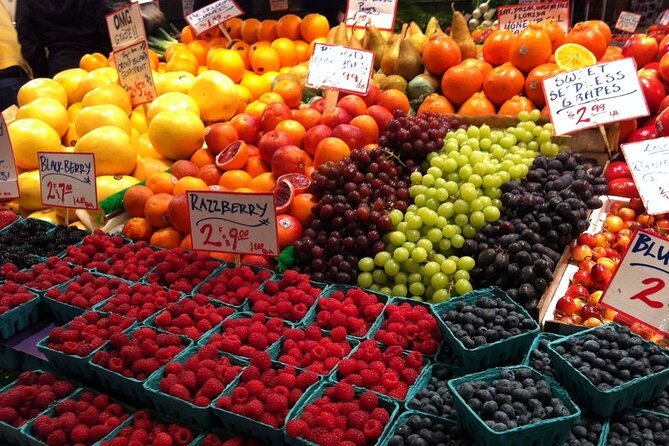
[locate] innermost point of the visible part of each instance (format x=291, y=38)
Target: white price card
x=233, y=222
x=516, y=17
x=187, y=7
x=9, y=186
x=213, y=15
x=67, y=180
x=125, y=26
x=594, y=95
x=638, y=288
x=278, y=5
x=663, y=19
x=627, y=21
x=340, y=68
x=363, y=13
x=134, y=73
x=649, y=163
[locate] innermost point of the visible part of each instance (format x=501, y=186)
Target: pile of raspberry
x=266, y=393
x=234, y=284
x=311, y=350
x=81, y=421
x=247, y=336
x=356, y=310
x=42, y=276
x=341, y=418
x=32, y=393
x=88, y=290
x=192, y=316
x=140, y=354
x=86, y=333
x=141, y=301
x=12, y=295
x=129, y=261
x=412, y=327
x=94, y=250
x=181, y=270
x=214, y=440
x=200, y=378
x=147, y=430
x=288, y=298
x=386, y=371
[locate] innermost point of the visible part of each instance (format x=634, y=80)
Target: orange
x=502, y=83
x=199, y=48
x=394, y=99
x=308, y=117
x=256, y=85
x=135, y=198
x=255, y=166
x=590, y=37
x=288, y=26
x=627, y=127
x=267, y=30
x=90, y=62
x=264, y=182
x=440, y=53
x=265, y=59
x=234, y=27
x=201, y=157
x=228, y=62
x=234, y=179
x=161, y=182
x=460, y=82
x=301, y=206
x=154, y=60
x=369, y=127
x=138, y=228
x=532, y=47
x=286, y=50
x=496, y=47
x=612, y=53
x=290, y=91
x=289, y=230
x=435, y=103
x=294, y=129
x=173, y=49
x=183, y=61
x=271, y=98
x=211, y=33
x=255, y=109
x=255, y=46
x=188, y=183
x=187, y=242
x=243, y=49
x=187, y=34
x=478, y=104
x=313, y=43
x=534, y=87
x=314, y=26
x=330, y=149
x=602, y=27
x=302, y=50
x=555, y=32
x=249, y=30
x=166, y=238
x=155, y=210
x=515, y=105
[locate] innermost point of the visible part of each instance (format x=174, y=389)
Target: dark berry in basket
x=436, y=398
x=586, y=432
x=488, y=320
x=613, y=355
x=638, y=429
x=661, y=403
x=424, y=431
x=539, y=359
x=516, y=398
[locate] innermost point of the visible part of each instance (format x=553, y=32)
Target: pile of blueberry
x=436, y=398
x=488, y=320
x=539, y=359
x=516, y=398
x=638, y=429
x=423, y=431
x=611, y=356
x=661, y=403
x=586, y=432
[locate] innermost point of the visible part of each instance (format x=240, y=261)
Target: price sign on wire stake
x=125, y=26
x=213, y=15
x=663, y=19
x=67, y=180
x=278, y=5
x=649, y=164
x=594, y=95
x=134, y=73
x=233, y=222
x=363, y=13
x=340, y=68
x=638, y=290
x=515, y=18
x=627, y=21
x=9, y=186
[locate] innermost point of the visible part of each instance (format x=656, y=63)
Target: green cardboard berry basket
x=549, y=432
x=543, y=335
x=129, y=388
x=100, y=307
x=495, y=353
x=245, y=305
x=21, y=317
x=166, y=420
x=387, y=403
x=606, y=403
x=176, y=407
x=603, y=439
x=72, y=365
x=243, y=425
x=352, y=342
x=222, y=434
x=404, y=417
x=423, y=384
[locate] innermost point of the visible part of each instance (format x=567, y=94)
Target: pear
x=409, y=63
x=341, y=35
x=416, y=37
x=433, y=27
x=377, y=44
x=393, y=53
x=354, y=42
x=460, y=33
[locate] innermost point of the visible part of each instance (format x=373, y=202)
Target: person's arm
x=32, y=45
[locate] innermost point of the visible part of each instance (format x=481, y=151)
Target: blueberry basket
x=549, y=432
x=495, y=353
x=217, y=273
x=535, y=345
x=436, y=369
x=19, y=318
x=606, y=403
x=404, y=417
x=604, y=438
x=176, y=407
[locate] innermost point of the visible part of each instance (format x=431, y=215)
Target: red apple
x=575, y=291
x=318, y=104
x=380, y=115
x=642, y=48
x=353, y=104
x=587, y=239
x=601, y=275
x=271, y=142
x=654, y=92
x=372, y=96
x=582, y=277
x=566, y=305
x=644, y=133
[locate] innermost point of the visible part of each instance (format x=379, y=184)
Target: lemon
x=114, y=152
x=101, y=115
x=29, y=136
x=48, y=110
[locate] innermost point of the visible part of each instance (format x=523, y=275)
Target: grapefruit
x=109, y=94
x=48, y=110
x=289, y=230
x=95, y=116
x=114, y=152
x=176, y=135
x=71, y=80
x=29, y=191
x=39, y=88
x=216, y=96
x=174, y=102
x=176, y=81
x=29, y=136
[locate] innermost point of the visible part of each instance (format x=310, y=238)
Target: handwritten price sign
x=9, y=186
x=278, y=5
x=516, y=17
x=340, y=68
x=363, y=13
x=134, y=73
x=67, y=180
x=663, y=19
x=594, y=95
x=240, y=223
x=125, y=26
x=628, y=21
x=638, y=289
x=213, y=15
x=649, y=164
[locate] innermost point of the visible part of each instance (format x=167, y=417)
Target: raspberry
x=369, y=401
x=163, y=439
x=262, y=360
x=414, y=360
x=347, y=367
x=179, y=391
x=212, y=388
x=57, y=438
x=373, y=429
x=276, y=403
x=343, y=392
x=79, y=434
x=338, y=334
x=296, y=428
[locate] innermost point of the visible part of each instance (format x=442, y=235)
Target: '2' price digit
x=643, y=294
x=581, y=113
x=208, y=230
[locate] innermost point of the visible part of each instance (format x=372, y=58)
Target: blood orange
x=299, y=181
x=234, y=156
x=283, y=196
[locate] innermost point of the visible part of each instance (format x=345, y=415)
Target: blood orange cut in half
x=299, y=181
x=234, y=156
x=283, y=196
